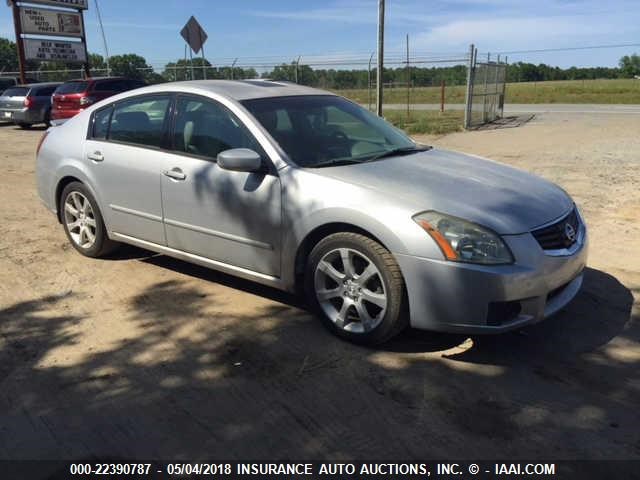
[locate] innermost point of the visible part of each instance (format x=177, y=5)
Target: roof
x=244, y=89
x=40, y=84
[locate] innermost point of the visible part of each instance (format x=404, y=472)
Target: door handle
x=175, y=173
x=96, y=156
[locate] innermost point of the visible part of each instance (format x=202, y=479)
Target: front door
x=230, y=217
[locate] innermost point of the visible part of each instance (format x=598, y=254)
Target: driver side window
x=205, y=128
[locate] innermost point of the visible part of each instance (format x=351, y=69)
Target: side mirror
x=240, y=160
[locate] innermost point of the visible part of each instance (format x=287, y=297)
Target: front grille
x=561, y=234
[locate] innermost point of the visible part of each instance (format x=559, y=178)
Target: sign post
x=47, y=22
x=195, y=36
x=18, y=29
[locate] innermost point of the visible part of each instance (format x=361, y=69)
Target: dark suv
x=72, y=97
x=25, y=105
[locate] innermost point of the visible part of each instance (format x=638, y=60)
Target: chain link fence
x=448, y=88
x=485, y=90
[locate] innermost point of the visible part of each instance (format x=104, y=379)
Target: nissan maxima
x=305, y=191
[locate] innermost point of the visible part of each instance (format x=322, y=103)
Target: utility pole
x=369, y=82
x=379, y=77
x=408, y=77
x=104, y=38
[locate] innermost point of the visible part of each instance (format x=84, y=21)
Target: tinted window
x=45, y=91
x=206, y=128
x=139, y=121
x=16, y=92
x=72, y=87
x=106, y=86
x=6, y=82
x=101, y=123
x=317, y=130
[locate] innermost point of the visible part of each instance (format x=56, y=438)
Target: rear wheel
x=356, y=286
x=82, y=221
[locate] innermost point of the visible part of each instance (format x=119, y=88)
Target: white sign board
x=43, y=21
x=52, y=50
x=80, y=4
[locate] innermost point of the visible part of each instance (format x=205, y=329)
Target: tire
x=349, y=300
x=77, y=219
x=47, y=119
x=25, y=126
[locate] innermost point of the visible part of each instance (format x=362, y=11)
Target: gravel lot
x=142, y=356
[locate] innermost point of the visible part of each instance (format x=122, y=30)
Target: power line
x=569, y=49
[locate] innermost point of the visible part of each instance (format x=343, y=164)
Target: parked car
x=6, y=82
x=26, y=105
x=297, y=188
x=74, y=96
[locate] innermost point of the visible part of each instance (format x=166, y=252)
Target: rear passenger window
x=45, y=91
x=206, y=128
x=101, y=123
x=105, y=86
x=139, y=121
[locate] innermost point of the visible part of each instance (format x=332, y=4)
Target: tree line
x=135, y=66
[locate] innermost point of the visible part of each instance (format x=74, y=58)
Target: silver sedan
x=303, y=190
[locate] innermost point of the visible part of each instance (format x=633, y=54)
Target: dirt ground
x=141, y=356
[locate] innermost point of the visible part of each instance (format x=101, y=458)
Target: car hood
x=505, y=199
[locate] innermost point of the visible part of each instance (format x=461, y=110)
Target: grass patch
x=622, y=91
x=425, y=121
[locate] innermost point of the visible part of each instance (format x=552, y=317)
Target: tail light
x=28, y=102
x=84, y=101
x=44, y=135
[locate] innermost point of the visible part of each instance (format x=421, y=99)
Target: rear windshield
x=16, y=92
x=72, y=87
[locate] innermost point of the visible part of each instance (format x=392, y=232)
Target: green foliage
x=181, y=70
x=129, y=65
x=8, y=56
x=425, y=121
x=97, y=62
x=630, y=65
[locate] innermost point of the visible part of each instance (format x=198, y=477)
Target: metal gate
x=486, y=82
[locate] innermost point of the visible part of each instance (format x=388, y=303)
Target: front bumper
x=465, y=298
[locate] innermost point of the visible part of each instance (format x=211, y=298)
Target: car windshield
x=16, y=92
x=71, y=87
x=325, y=130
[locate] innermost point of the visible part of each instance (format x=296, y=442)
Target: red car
x=72, y=97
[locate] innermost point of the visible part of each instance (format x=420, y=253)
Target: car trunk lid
x=13, y=98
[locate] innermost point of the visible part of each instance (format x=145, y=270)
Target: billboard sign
x=79, y=4
x=54, y=50
x=194, y=34
x=44, y=21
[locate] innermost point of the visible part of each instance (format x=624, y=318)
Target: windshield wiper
x=335, y=162
x=398, y=151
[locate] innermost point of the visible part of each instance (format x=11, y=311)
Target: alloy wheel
x=350, y=290
x=80, y=220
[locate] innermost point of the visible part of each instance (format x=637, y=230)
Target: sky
x=282, y=30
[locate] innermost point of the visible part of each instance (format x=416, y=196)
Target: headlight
x=463, y=241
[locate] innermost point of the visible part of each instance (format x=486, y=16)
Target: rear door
x=126, y=149
x=42, y=96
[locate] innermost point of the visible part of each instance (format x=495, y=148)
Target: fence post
x=504, y=85
x=469, y=93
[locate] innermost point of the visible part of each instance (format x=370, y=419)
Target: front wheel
x=356, y=286
x=82, y=221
